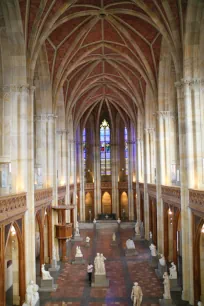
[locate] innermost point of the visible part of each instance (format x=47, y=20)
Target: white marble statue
x=99, y=264
x=167, y=294
x=136, y=295
x=150, y=235
x=173, y=271
x=94, y=221
x=78, y=252
x=119, y=221
x=54, y=257
x=162, y=260
x=130, y=244
x=137, y=228
x=114, y=237
x=88, y=239
x=77, y=229
x=102, y=267
x=153, y=249
x=45, y=274
x=32, y=295
x=200, y=303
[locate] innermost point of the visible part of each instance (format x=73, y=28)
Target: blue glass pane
x=103, y=155
x=102, y=138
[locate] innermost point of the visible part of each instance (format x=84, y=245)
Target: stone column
x=97, y=176
x=130, y=175
x=187, y=177
x=114, y=174
x=146, y=169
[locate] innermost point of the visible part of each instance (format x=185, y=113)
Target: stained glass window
x=105, y=148
x=126, y=150
x=84, y=148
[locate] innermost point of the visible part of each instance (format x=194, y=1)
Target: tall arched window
x=84, y=148
x=126, y=149
x=105, y=148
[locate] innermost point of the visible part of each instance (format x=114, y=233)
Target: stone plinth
x=87, y=244
x=100, y=281
x=77, y=238
x=130, y=252
x=47, y=285
x=136, y=237
x=37, y=303
x=54, y=267
x=174, y=285
x=153, y=261
x=165, y=302
x=160, y=271
x=79, y=261
x=113, y=243
x=150, y=241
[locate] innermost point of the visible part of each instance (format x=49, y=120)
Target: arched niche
x=124, y=205
x=199, y=261
x=106, y=203
x=14, y=266
x=89, y=206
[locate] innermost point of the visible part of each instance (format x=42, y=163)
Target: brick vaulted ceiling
x=102, y=50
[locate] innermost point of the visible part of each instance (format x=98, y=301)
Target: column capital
x=149, y=130
x=165, y=114
x=193, y=83
x=45, y=117
x=19, y=88
x=62, y=131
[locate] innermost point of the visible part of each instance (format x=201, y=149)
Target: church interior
x=102, y=151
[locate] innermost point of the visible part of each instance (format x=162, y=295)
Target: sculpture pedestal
x=160, y=271
x=174, y=285
x=54, y=266
x=100, y=281
x=78, y=261
x=150, y=241
x=47, y=285
x=87, y=244
x=165, y=302
x=77, y=238
x=113, y=243
x=130, y=252
x=153, y=261
x=136, y=237
x=37, y=303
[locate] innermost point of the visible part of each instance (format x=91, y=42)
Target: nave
x=122, y=271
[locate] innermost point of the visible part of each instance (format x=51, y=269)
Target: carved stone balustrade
x=43, y=198
x=89, y=186
x=152, y=190
x=171, y=195
x=12, y=206
x=196, y=201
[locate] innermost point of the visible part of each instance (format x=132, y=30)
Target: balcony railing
x=12, y=205
x=196, y=200
x=43, y=197
x=171, y=195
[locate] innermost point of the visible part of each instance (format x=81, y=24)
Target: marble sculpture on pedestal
x=136, y=295
x=167, y=294
x=114, y=237
x=45, y=274
x=77, y=229
x=78, y=252
x=153, y=250
x=137, y=228
x=88, y=239
x=130, y=244
x=173, y=271
x=32, y=295
x=162, y=260
x=99, y=264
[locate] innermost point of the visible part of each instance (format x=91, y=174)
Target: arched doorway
x=124, y=205
x=14, y=266
x=39, y=242
x=199, y=261
x=89, y=211
x=106, y=203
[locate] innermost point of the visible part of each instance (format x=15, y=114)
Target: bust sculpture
x=119, y=221
x=150, y=235
x=78, y=252
x=200, y=303
x=137, y=228
x=130, y=244
x=99, y=264
x=94, y=221
x=162, y=260
x=114, y=237
x=173, y=271
x=54, y=253
x=45, y=274
x=32, y=295
x=136, y=295
x=153, y=249
x=88, y=239
x=167, y=294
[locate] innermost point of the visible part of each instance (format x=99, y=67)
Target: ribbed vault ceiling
x=102, y=50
